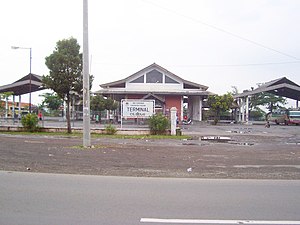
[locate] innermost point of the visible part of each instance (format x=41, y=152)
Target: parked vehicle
x=279, y=117
x=294, y=117
x=286, y=117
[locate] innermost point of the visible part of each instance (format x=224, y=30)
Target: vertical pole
x=20, y=112
x=30, y=78
x=200, y=109
x=247, y=109
x=13, y=108
x=241, y=109
x=6, y=107
x=86, y=83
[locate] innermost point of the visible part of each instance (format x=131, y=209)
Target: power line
x=221, y=30
x=209, y=65
x=240, y=65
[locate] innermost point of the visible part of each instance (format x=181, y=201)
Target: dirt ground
x=247, y=152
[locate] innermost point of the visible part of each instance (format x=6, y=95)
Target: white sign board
x=132, y=108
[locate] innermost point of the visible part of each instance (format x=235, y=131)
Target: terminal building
x=167, y=89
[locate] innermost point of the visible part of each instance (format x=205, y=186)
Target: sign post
x=136, y=108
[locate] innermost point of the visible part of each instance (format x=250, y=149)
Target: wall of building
x=174, y=101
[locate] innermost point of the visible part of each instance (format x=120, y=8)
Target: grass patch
x=119, y=136
x=73, y=134
x=95, y=135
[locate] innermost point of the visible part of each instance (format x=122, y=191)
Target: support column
x=13, y=109
x=197, y=108
x=200, y=108
x=247, y=109
x=181, y=114
x=6, y=107
x=243, y=111
x=240, y=109
x=20, y=112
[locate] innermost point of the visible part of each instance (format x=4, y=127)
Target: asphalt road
x=34, y=198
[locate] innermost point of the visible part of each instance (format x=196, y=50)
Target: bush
x=110, y=129
x=158, y=123
x=30, y=122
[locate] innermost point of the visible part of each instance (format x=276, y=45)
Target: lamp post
x=30, y=59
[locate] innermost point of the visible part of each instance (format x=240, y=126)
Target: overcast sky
x=216, y=43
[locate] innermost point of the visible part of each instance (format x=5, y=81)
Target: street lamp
x=30, y=59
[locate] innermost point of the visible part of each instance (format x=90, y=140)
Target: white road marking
x=195, y=221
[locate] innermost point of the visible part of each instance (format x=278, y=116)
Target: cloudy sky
x=216, y=43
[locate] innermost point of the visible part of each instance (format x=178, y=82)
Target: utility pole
x=86, y=77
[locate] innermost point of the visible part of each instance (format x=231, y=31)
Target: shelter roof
x=22, y=86
x=281, y=87
x=121, y=83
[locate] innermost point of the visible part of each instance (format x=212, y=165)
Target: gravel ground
x=224, y=151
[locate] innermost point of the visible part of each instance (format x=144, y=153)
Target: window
x=154, y=76
x=138, y=80
x=169, y=80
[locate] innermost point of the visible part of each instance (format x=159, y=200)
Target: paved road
x=33, y=198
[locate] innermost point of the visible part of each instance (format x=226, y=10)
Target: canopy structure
x=27, y=84
x=280, y=87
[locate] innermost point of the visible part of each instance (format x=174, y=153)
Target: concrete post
x=247, y=109
x=241, y=109
x=173, y=120
x=13, y=108
x=6, y=107
x=20, y=112
x=200, y=109
x=86, y=81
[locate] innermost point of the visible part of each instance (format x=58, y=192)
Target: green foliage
x=30, y=122
x=111, y=104
x=269, y=100
x=4, y=96
x=110, y=129
x=257, y=114
x=52, y=101
x=98, y=103
x=65, y=72
x=158, y=123
x=219, y=104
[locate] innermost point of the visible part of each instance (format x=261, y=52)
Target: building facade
x=167, y=89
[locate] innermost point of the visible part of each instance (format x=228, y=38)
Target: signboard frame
x=137, y=108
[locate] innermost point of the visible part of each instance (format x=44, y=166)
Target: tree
x=111, y=104
x=269, y=100
x=5, y=96
x=65, y=72
x=219, y=104
x=99, y=103
x=52, y=101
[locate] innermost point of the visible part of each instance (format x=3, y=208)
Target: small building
x=167, y=89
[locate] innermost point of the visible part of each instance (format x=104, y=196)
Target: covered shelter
x=27, y=84
x=280, y=87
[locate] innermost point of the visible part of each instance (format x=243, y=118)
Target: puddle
x=241, y=130
x=189, y=143
x=241, y=143
x=292, y=143
x=264, y=166
x=224, y=139
x=215, y=138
